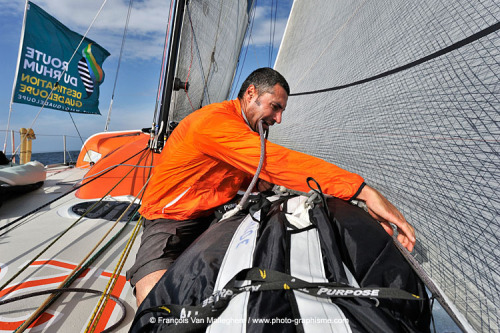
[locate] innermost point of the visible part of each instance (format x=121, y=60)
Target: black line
x=434, y=55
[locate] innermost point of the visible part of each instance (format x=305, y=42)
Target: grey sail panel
x=211, y=40
x=426, y=137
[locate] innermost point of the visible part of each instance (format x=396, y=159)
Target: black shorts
x=162, y=241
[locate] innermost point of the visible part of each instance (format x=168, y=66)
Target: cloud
x=146, y=29
x=261, y=31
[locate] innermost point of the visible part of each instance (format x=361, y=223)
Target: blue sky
x=135, y=93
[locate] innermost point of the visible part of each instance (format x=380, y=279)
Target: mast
x=169, y=77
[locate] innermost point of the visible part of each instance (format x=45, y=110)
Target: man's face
x=267, y=107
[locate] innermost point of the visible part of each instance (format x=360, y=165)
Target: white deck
x=21, y=242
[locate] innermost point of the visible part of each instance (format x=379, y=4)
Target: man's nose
x=277, y=117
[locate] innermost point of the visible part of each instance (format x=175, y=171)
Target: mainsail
x=427, y=137
x=211, y=40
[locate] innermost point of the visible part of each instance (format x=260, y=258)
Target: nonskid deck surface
x=23, y=241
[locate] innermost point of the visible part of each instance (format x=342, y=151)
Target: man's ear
x=251, y=91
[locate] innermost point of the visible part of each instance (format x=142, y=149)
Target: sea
x=53, y=157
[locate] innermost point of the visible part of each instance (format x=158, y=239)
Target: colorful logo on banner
x=44, y=73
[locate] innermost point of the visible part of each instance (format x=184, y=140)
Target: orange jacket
x=213, y=151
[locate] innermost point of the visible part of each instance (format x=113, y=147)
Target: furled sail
x=211, y=40
x=427, y=136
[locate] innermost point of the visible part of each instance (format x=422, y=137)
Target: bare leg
x=144, y=285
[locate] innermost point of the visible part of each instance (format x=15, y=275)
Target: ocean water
x=53, y=157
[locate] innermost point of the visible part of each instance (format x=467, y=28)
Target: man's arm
x=382, y=210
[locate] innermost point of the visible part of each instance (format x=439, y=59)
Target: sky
x=136, y=87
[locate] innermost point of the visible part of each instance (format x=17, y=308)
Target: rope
x=77, y=271
x=162, y=68
x=74, y=290
x=125, y=29
x=428, y=282
x=63, y=233
x=79, y=135
x=242, y=202
x=112, y=281
x=60, y=197
x=81, y=267
x=272, y=30
x=41, y=308
x=248, y=34
x=431, y=56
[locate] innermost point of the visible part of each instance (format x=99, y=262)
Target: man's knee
x=144, y=285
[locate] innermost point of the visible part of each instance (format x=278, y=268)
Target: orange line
x=56, y=263
x=12, y=325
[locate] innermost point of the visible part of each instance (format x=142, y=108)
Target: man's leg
x=162, y=242
x=144, y=285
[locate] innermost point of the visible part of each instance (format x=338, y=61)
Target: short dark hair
x=264, y=79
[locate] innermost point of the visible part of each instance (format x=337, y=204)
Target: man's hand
x=263, y=186
x=382, y=210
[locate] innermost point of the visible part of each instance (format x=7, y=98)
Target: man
x=209, y=156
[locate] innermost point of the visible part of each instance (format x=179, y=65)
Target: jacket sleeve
x=232, y=141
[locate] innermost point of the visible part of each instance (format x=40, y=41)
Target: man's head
x=263, y=96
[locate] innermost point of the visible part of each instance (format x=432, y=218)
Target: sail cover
x=211, y=39
x=276, y=247
x=427, y=137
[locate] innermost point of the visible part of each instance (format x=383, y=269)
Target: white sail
x=427, y=137
x=211, y=40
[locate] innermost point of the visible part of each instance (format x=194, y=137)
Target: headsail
x=46, y=74
x=427, y=136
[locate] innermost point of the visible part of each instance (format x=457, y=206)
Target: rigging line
x=65, y=231
x=79, y=135
x=75, y=290
x=71, y=278
x=60, y=197
x=112, y=281
x=429, y=57
x=436, y=293
x=190, y=66
x=76, y=270
x=270, y=36
x=91, y=260
x=114, y=166
x=21, y=42
x=249, y=36
x=274, y=6
x=118, y=67
x=162, y=70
